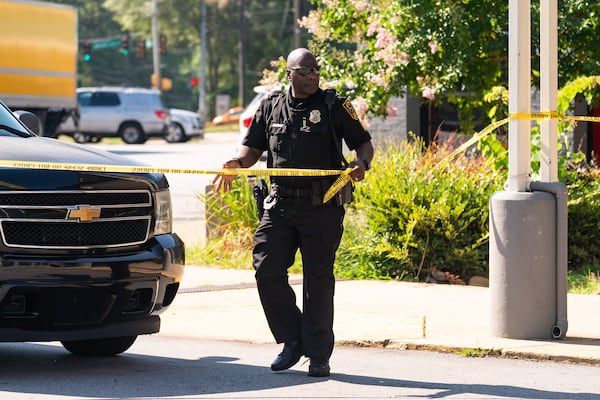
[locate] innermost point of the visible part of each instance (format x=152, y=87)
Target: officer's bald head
x=300, y=55
x=302, y=83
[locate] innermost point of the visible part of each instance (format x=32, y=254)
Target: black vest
x=299, y=136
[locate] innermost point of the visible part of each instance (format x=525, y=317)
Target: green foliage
x=494, y=145
x=584, y=221
x=421, y=213
x=231, y=220
x=414, y=212
x=268, y=33
x=585, y=281
x=586, y=86
x=433, y=47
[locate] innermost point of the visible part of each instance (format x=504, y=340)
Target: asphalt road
x=160, y=366
x=182, y=365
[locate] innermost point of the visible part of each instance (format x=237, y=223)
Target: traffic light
x=141, y=48
x=87, y=51
x=194, y=81
x=125, y=45
x=163, y=44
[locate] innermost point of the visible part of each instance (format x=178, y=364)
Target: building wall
x=399, y=126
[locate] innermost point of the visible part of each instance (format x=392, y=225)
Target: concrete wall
x=398, y=127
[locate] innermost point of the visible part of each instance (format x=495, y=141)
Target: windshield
x=9, y=124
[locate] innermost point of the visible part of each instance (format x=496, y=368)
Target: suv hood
x=183, y=113
x=53, y=150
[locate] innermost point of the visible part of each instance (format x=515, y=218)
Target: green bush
x=412, y=214
x=231, y=220
x=415, y=213
x=584, y=221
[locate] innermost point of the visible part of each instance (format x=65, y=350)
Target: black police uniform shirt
x=297, y=134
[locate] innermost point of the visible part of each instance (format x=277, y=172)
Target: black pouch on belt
x=344, y=196
x=260, y=192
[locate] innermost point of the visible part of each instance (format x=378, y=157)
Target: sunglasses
x=304, y=71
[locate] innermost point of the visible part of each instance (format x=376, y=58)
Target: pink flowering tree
x=454, y=49
x=377, y=49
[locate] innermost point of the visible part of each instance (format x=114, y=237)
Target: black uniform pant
x=290, y=225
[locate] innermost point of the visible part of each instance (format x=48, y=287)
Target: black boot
x=290, y=355
x=318, y=367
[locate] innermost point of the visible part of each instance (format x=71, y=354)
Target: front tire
x=132, y=133
x=100, y=347
x=82, y=137
x=176, y=134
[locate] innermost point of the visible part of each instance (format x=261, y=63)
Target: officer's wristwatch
x=367, y=163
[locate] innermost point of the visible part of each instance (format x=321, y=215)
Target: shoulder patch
x=350, y=109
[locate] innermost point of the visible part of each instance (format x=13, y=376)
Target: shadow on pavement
x=50, y=370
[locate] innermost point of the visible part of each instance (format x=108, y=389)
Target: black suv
x=86, y=258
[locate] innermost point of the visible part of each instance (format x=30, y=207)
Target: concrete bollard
x=523, y=265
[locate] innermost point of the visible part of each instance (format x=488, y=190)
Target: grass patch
x=209, y=128
x=220, y=253
x=479, y=353
x=223, y=252
x=213, y=254
x=585, y=281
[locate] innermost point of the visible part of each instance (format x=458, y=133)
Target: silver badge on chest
x=315, y=116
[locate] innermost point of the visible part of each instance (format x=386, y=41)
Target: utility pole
x=156, y=45
x=202, y=95
x=242, y=57
x=296, y=26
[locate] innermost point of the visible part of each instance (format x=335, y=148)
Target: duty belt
x=294, y=193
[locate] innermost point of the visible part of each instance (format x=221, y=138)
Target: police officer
x=301, y=127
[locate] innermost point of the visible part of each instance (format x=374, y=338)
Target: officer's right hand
x=226, y=181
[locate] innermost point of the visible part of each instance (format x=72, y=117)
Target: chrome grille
x=41, y=219
x=74, y=197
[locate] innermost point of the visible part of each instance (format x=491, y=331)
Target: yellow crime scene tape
x=554, y=115
x=519, y=116
x=165, y=170
x=474, y=139
x=340, y=182
x=148, y=169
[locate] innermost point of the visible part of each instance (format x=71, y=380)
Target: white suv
x=184, y=125
x=133, y=114
x=248, y=114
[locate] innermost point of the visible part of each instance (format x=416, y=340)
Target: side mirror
x=29, y=119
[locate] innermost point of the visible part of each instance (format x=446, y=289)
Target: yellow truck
x=38, y=60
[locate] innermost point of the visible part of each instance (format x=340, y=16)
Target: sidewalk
x=223, y=304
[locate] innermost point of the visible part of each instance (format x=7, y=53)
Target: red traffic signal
x=163, y=44
x=194, y=81
x=141, y=48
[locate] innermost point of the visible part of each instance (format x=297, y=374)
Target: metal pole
x=549, y=88
x=296, y=26
x=527, y=228
x=202, y=96
x=156, y=45
x=242, y=57
x=519, y=101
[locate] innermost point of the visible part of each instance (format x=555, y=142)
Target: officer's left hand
x=358, y=170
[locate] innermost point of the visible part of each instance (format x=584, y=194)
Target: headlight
x=163, y=212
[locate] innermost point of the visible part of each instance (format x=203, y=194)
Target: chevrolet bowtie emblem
x=84, y=213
